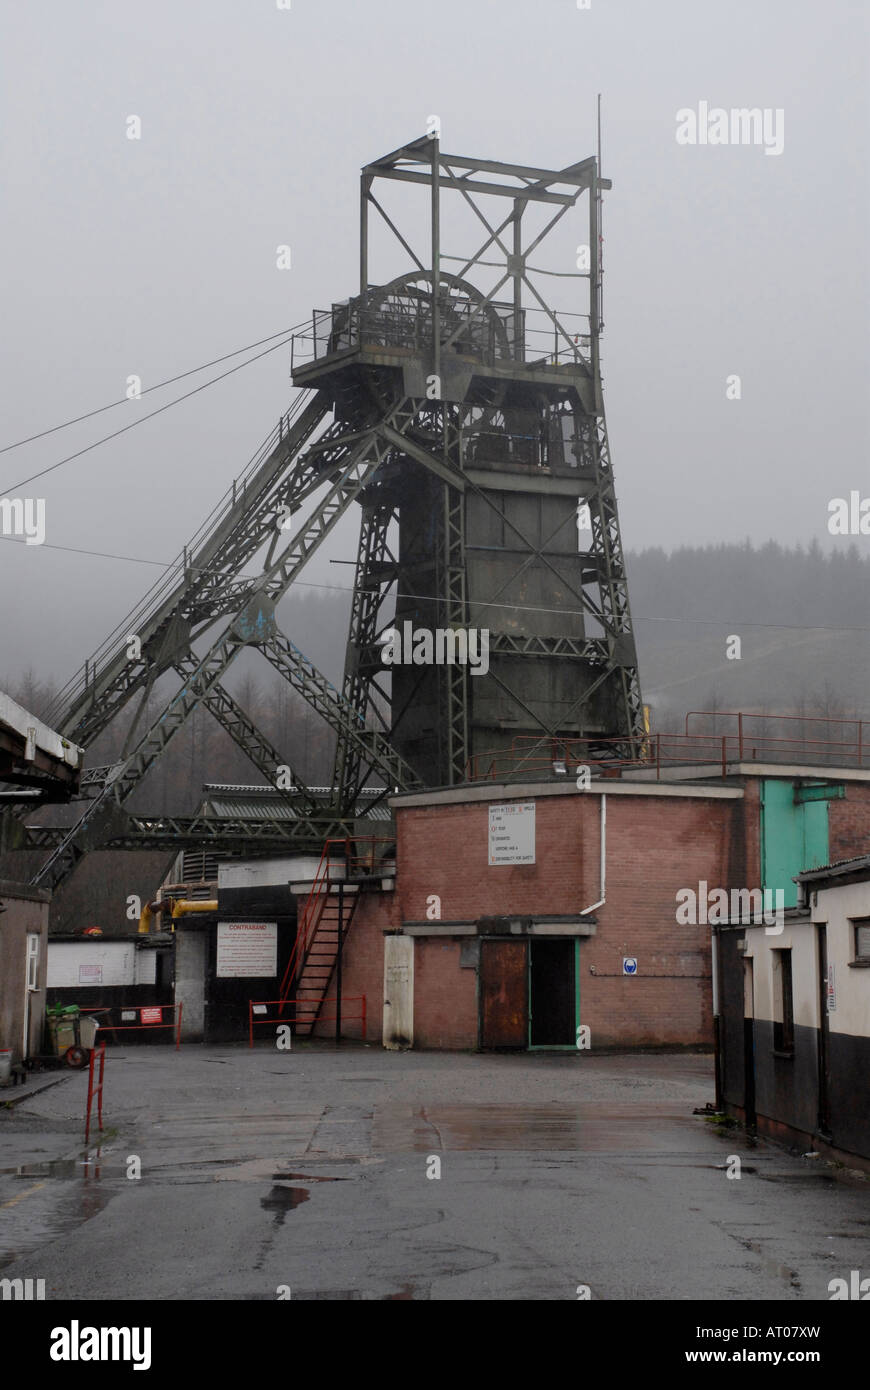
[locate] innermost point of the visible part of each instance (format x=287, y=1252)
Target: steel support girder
x=234, y=538
x=470, y=185
x=450, y=564
x=373, y=747
x=242, y=730
x=612, y=581
x=594, y=651
x=455, y=676
x=535, y=180
x=235, y=834
x=127, y=775
x=251, y=625
x=370, y=586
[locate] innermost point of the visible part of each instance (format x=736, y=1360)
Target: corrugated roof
x=837, y=868
x=227, y=800
x=229, y=805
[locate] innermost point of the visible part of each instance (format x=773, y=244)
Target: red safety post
x=95, y=1090
x=100, y=1090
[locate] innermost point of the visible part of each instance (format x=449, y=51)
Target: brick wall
x=849, y=823
x=445, y=996
x=656, y=845
x=363, y=967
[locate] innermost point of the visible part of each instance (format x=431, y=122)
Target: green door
x=794, y=836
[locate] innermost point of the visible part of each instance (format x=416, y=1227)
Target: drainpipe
x=717, y=1032
x=592, y=906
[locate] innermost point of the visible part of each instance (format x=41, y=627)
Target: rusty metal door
x=504, y=993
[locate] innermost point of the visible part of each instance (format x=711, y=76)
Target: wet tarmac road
x=317, y=1171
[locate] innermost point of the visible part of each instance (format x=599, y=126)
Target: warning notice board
x=512, y=833
x=247, y=948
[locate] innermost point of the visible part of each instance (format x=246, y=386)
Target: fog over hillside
x=801, y=615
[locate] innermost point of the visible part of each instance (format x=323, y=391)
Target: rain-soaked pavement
x=316, y=1173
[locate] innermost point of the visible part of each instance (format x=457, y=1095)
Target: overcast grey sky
x=149, y=257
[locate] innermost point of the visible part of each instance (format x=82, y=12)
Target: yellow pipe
x=149, y=911
x=179, y=907
x=183, y=905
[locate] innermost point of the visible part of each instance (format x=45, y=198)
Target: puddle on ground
x=408, y=1293
x=772, y=1266
x=812, y=1175
x=57, y=1168
x=283, y=1199
x=586, y=1127
x=303, y=1177
x=327, y=1295
x=34, y=1221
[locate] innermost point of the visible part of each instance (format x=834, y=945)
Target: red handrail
x=856, y=749
x=138, y=1027
x=310, y=916
x=675, y=749
x=347, y=998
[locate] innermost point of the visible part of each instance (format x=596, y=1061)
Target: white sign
x=629, y=965
x=247, y=948
x=832, y=991
x=90, y=974
x=512, y=833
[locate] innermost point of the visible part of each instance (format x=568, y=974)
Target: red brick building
x=578, y=928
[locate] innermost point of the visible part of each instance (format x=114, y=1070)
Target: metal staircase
x=323, y=926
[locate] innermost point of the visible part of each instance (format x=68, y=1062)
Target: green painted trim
x=553, y=1047
x=576, y=991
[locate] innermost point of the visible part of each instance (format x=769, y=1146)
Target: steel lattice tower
x=468, y=425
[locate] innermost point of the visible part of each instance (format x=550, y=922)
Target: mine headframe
x=476, y=522
x=465, y=417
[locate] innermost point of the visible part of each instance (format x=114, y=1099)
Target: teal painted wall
x=793, y=837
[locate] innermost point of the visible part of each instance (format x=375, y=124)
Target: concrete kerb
x=28, y=1092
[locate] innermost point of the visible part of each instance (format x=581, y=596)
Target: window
x=33, y=960
x=862, y=939
x=783, y=1007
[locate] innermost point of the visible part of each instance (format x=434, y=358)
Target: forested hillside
x=800, y=615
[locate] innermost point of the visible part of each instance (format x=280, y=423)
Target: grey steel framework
x=468, y=428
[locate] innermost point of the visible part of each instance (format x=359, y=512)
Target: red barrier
x=95, y=1090
x=321, y=1018
x=142, y=1009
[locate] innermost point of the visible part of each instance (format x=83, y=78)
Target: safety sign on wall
x=512, y=833
x=629, y=965
x=247, y=948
